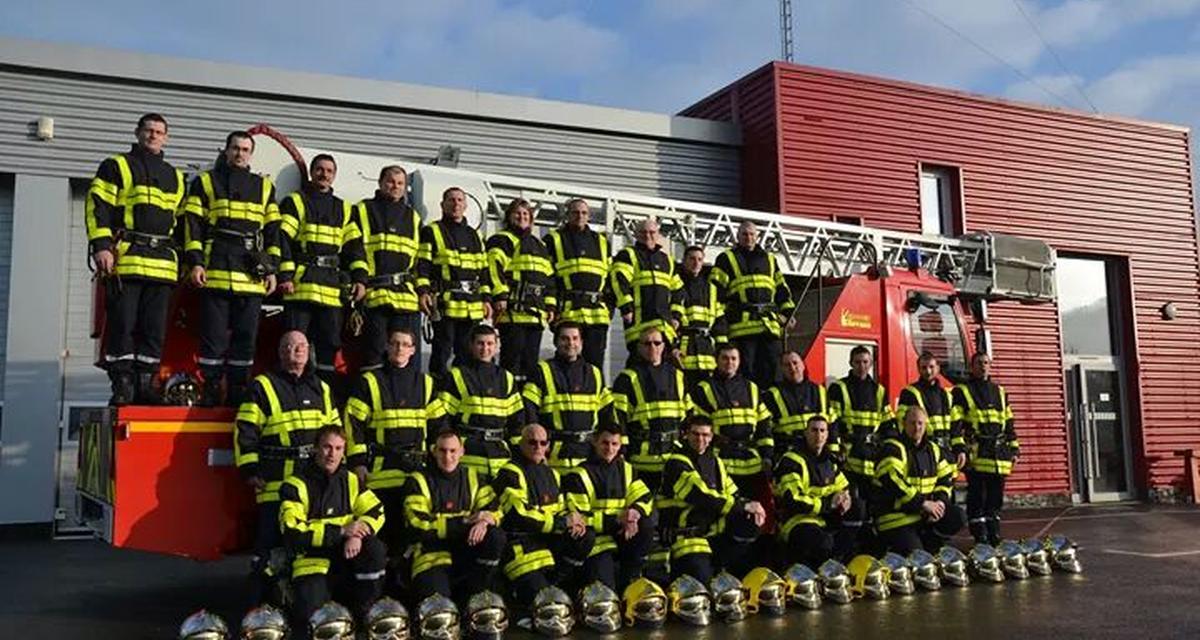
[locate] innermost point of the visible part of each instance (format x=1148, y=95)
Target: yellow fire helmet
x=765, y=590
x=645, y=604
x=868, y=578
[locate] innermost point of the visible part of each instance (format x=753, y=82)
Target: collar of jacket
x=312, y=191
x=140, y=151
x=307, y=374
x=385, y=200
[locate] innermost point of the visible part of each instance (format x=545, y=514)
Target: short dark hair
x=331, y=430
x=727, y=346
x=567, y=324
x=480, y=330
x=696, y=420
x=926, y=356
x=321, y=157
x=609, y=428
x=571, y=203
x=390, y=169
x=406, y=332
x=979, y=354
x=236, y=135
x=693, y=247
x=447, y=432
x=862, y=348
x=152, y=117
x=815, y=418
x=447, y=192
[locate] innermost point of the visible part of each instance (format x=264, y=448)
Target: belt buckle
x=248, y=243
x=304, y=452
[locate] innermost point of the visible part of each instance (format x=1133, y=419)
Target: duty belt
x=758, y=309
x=410, y=458
x=696, y=332
x=323, y=262
x=488, y=435
x=591, y=298
x=529, y=296
x=653, y=437
x=575, y=437
x=151, y=240
x=250, y=241
x=298, y=452
x=461, y=286
x=390, y=280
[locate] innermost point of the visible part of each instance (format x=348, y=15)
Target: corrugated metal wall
x=83, y=382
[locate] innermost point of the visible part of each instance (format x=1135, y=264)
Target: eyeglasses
x=537, y=443
x=652, y=343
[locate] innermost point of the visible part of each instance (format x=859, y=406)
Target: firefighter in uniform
x=452, y=281
x=320, y=244
x=992, y=442
x=566, y=394
x=945, y=423
x=820, y=519
x=131, y=211
x=702, y=326
x=521, y=289
x=580, y=260
x=793, y=402
x=232, y=245
x=741, y=422
x=456, y=518
x=548, y=543
x=391, y=236
x=914, y=480
x=617, y=506
x=274, y=435
x=650, y=400
x=483, y=403
x=756, y=300
x=392, y=413
x=860, y=408
x=330, y=524
x=646, y=287
x=710, y=527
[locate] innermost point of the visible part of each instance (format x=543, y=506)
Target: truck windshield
x=935, y=329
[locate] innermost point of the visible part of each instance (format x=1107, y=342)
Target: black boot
x=147, y=393
x=993, y=530
x=210, y=393
x=124, y=388
x=237, y=379
x=979, y=530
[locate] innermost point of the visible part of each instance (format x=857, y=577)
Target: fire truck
x=163, y=479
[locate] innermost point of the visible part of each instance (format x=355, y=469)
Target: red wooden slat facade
x=823, y=143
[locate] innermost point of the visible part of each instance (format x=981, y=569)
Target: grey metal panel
x=94, y=118
x=83, y=382
x=6, y=220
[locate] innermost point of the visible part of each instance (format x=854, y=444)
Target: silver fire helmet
x=925, y=570
x=985, y=564
x=203, y=625
x=1012, y=559
x=387, y=619
x=1036, y=556
x=487, y=615
x=729, y=597
x=552, y=613
x=953, y=566
x=437, y=618
x=264, y=623
x=835, y=582
x=690, y=601
x=765, y=591
x=1063, y=553
x=600, y=607
x=181, y=390
x=331, y=621
x=900, y=579
x=802, y=586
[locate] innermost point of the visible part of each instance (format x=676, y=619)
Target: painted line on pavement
x=1142, y=554
x=1095, y=516
x=1056, y=518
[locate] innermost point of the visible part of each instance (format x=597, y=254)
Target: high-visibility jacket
x=319, y=227
x=945, y=419
x=650, y=403
x=532, y=505
x=230, y=214
x=452, y=264
x=907, y=475
x=140, y=193
x=435, y=507
x=741, y=423
x=988, y=429
x=482, y=401
x=645, y=284
x=391, y=236
x=277, y=426
x=314, y=506
x=753, y=290
x=792, y=405
x=860, y=408
x=521, y=275
x=695, y=496
x=703, y=325
x=602, y=491
x=570, y=400
x=581, y=263
x=390, y=413
x=805, y=484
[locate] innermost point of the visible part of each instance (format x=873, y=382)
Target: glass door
x=1099, y=435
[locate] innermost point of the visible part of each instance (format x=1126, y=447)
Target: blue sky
x=1137, y=58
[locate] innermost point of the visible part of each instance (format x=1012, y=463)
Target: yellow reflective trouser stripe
x=645, y=462
x=684, y=546
x=386, y=478
x=425, y=560
x=603, y=543
x=526, y=562
x=145, y=267
x=743, y=466
x=400, y=300
x=987, y=465
x=795, y=521
x=862, y=467
x=896, y=520
x=305, y=566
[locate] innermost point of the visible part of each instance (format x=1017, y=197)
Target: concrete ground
x=1141, y=579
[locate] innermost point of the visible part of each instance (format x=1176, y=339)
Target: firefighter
x=452, y=281
x=548, y=542
x=860, y=407
x=914, y=480
x=232, y=247
x=391, y=235
x=391, y=414
x=275, y=432
x=820, y=519
x=522, y=293
x=741, y=422
x=320, y=244
x=457, y=521
x=646, y=287
x=617, y=506
x=483, y=403
x=793, y=402
x=757, y=302
x=709, y=525
x=131, y=211
x=566, y=394
x=988, y=429
x=650, y=400
x=580, y=259
x=702, y=326
x=945, y=423
x=331, y=526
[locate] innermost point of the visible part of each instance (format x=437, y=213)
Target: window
x=1084, y=302
x=935, y=329
x=941, y=201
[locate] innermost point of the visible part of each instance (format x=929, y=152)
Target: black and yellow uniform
x=534, y=514
x=391, y=236
x=792, y=405
x=756, y=299
x=232, y=231
x=602, y=492
x=483, y=403
x=522, y=277
x=945, y=422
x=436, y=506
x=650, y=402
x=860, y=409
x=992, y=444
x=452, y=266
x=701, y=328
x=812, y=530
x=131, y=210
x=907, y=475
x=645, y=285
x=703, y=516
x=315, y=505
x=581, y=262
x=570, y=400
x=741, y=428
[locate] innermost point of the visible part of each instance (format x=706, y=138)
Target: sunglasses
x=652, y=343
x=538, y=443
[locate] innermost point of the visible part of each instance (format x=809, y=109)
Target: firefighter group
x=711, y=477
